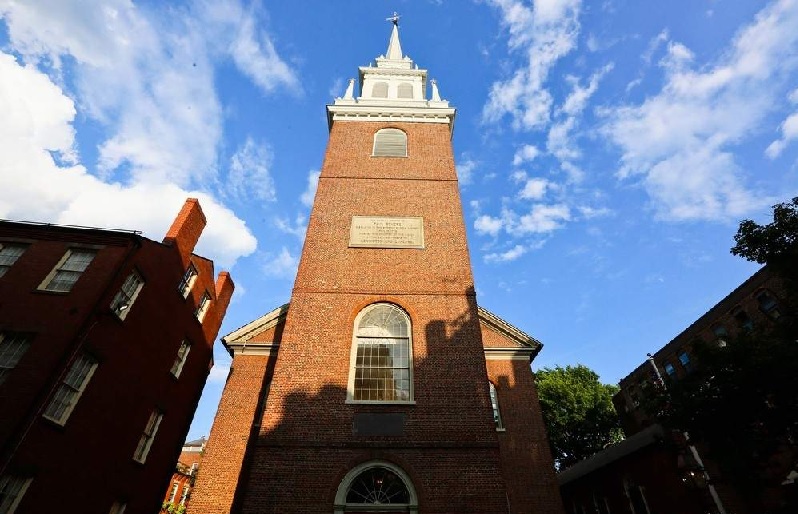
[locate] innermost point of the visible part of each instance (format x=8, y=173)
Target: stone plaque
x=377, y=232
x=379, y=424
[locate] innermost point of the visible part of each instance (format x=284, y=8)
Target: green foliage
x=173, y=508
x=774, y=244
x=578, y=412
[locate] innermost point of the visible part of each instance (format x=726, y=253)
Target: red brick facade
x=288, y=434
x=133, y=344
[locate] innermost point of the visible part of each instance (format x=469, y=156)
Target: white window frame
x=12, y=489
x=127, y=294
x=173, y=495
x=13, y=346
x=69, y=392
x=388, y=132
x=61, y=267
x=148, y=436
x=340, y=507
x=182, y=356
x=9, y=259
x=118, y=508
x=202, y=307
x=184, y=495
x=187, y=282
x=350, y=394
x=494, y=403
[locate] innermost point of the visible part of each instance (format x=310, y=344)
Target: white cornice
x=510, y=354
x=239, y=348
x=391, y=113
x=265, y=322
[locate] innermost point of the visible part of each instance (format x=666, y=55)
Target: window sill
x=501, y=429
x=349, y=401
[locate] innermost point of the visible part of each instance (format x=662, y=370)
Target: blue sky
x=606, y=150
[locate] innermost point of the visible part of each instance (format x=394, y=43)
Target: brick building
x=657, y=471
x=105, y=345
x=178, y=493
x=382, y=386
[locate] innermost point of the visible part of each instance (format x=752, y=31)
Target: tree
x=741, y=401
x=578, y=412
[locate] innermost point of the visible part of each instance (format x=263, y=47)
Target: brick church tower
x=381, y=386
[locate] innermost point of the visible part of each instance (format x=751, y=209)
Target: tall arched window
x=494, y=402
x=381, y=356
x=390, y=142
x=379, y=90
x=376, y=486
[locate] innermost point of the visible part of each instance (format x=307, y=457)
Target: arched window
x=494, y=402
x=376, y=486
x=405, y=90
x=381, y=356
x=379, y=90
x=390, y=142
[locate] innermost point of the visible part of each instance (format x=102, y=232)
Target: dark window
x=68, y=270
x=9, y=253
x=743, y=320
x=188, y=280
x=12, y=347
x=669, y=369
x=684, y=359
x=767, y=304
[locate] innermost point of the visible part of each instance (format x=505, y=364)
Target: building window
x=684, y=359
x=180, y=360
x=767, y=303
x=118, y=508
x=376, y=486
x=148, y=436
x=188, y=281
x=390, y=142
x=494, y=403
x=184, y=496
x=381, y=357
x=379, y=90
x=12, y=347
x=637, y=497
x=12, y=489
x=202, y=308
x=123, y=301
x=405, y=90
x=173, y=495
x=70, y=390
x=601, y=505
x=743, y=320
x=9, y=253
x=670, y=370
x=68, y=270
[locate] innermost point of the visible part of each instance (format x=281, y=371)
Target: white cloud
x=465, y=170
x=147, y=80
x=534, y=189
x=541, y=219
x=527, y=153
x=545, y=33
x=679, y=141
x=789, y=132
x=296, y=228
x=219, y=372
x=281, y=265
x=488, y=225
x=510, y=255
x=577, y=99
x=249, y=175
x=559, y=141
x=310, y=191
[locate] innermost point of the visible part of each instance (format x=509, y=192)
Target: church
x=381, y=386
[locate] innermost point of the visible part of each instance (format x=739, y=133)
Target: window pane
x=73, y=385
x=12, y=347
x=70, y=270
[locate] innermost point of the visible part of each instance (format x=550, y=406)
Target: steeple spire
x=394, y=47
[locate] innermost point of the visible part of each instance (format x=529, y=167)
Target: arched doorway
x=377, y=487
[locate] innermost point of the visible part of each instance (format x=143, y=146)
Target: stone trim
x=238, y=348
x=510, y=354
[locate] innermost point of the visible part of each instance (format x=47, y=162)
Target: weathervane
x=394, y=19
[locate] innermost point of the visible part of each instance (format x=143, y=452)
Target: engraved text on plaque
x=377, y=232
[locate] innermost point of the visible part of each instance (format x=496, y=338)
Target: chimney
x=213, y=319
x=186, y=230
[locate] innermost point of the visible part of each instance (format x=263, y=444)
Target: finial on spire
x=394, y=47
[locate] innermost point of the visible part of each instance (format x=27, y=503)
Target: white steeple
x=393, y=89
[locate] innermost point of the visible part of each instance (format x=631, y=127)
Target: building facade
x=658, y=471
x=177, y=496
x=382, y=386
x=106, y=341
